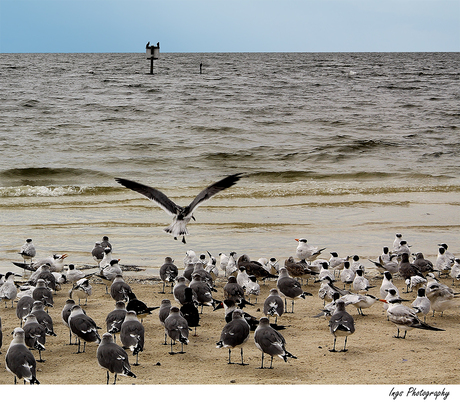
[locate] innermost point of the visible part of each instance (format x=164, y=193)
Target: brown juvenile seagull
x=182, y=215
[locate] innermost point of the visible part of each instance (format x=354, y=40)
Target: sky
x=105, y=26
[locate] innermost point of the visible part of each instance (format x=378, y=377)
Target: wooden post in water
x=153, y=53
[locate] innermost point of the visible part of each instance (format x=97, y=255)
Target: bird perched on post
x=19, y=360
x=176, y=327
x=341, y=324
x=234, y=334
x=270, y=342
x=113, y=358
x=168, y=272
x=182, y=215
x=132, y=334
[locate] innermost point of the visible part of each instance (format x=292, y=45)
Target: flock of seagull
x=193, y=288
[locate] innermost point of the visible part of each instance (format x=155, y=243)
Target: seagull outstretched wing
x=210, y=191
x=153, y=194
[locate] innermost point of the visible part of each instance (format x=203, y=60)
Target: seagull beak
x=297, y=240
x=64, y=256
x=18, y=275
x=383, y=300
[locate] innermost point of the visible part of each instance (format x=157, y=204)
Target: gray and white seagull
x=182, y=215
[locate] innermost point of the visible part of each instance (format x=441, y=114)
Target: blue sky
x=49, y=26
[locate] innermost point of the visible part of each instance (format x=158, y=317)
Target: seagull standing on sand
x=97, y=252
x=234, y=334
x=65, y=313
x=168, y=272
x=289, y=288
x=115, y=318
x=273, y=304
x=28, y=251
x=8, y=290
x=43, y=318
x=270, y=342
x=43, y=293
x=404, y=318
x=341, y=324
x=421, y=304
x=306, y=252
x=397, y=240
x=347, y=275
x=24, y=307
x=176, y=327
x=119, y=289
x=19, y=360
x=35, y=335
x=132, y=334
x=182, y=215
x=83, y=327
x=113, y=358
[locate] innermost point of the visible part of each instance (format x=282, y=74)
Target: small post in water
x=153, y=53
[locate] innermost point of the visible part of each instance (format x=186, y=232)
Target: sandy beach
x=373, y=356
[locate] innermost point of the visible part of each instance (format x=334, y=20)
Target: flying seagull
x=182, y=215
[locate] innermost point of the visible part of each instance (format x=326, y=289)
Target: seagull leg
x=271, y=363
x=182, y=349
x=262, y=362
x=229, y=356
x=242, y=363
x=108, y=376
x=115, y=379
x=345, y=344
x=171, y=352
x=333, y=348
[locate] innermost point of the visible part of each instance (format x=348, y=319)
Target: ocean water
x=344, y=149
